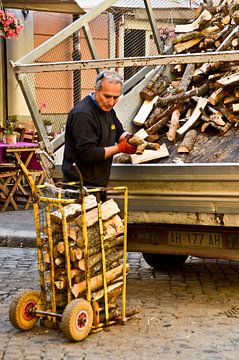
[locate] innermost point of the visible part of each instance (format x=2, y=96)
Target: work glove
x=125, y=147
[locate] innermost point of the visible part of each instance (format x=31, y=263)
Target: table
x=26, y=167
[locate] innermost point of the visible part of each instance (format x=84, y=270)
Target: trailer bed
x=210, y=147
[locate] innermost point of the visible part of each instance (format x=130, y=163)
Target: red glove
x=125, y=147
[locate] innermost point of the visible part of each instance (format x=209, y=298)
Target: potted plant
x=10, y=26
x=48, y=125
x=10, y=134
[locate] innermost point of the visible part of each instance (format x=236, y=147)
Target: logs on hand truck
x=113, y=238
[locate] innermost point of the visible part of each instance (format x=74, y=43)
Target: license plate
x=188, y=238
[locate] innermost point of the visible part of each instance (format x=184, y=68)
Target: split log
x=187, y=77
x=149, y=155
x=97, y=295
x=235, y=107
x=144, y=111
x=188, y=142
x=201, y=103
x=203, y=18
x=109, y=243
x=232, y=79
x=113, y=227
x=217, y=95
x=142, y=134
x=71, y=211
x=180, y=47
x=75, y=254
x=61, y=247
x=111, y=256
x=109, y=208
x=157, y=115
x=141, y=145
x=97, y=281
x=174, y=125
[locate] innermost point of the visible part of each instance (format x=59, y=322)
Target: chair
x=20, y=133
x=8, y=176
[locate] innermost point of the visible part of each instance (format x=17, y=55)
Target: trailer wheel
x=164, y=261
x=21, y=310
x=77, y=320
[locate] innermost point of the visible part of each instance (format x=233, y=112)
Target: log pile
x=113, y=237
x=204, y=97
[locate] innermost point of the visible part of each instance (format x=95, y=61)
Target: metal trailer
x=92, y=309
x=175, y=210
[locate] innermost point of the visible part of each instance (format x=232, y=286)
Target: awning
x=60, y=6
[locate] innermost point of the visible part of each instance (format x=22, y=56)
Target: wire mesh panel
x=122, y=30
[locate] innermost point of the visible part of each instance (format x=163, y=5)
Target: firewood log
x=149, y=155
x=156, y=86
x=141, y=145
x=97, y=295
x=97, y=281
x=203, y=18
x=109, y=208
x=180, y=47
x=71, y=211
x=174, y=125
x=201, y=103
x=229, y=99
x=217, y=95
x=188, y=142
x=202, y=90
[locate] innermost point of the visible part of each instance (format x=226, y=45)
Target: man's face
x=108, y=95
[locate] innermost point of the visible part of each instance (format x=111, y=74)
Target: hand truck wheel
x=21, y=310
x=77, y=319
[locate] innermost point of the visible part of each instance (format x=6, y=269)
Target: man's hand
x=125, y=147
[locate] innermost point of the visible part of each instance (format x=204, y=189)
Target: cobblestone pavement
x=192, y=313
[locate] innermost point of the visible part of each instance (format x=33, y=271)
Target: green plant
x=10, y=125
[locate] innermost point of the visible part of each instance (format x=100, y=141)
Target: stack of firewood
x=199, y=98
x=113, y=236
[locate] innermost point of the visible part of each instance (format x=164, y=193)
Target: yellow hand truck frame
x=78, y=316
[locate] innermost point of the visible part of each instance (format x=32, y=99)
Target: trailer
x=179, y=206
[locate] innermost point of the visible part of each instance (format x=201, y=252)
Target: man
x=94, y=134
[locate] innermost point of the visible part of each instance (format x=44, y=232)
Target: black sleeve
x=86, y=136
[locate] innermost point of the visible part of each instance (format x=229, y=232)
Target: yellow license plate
x=188, y=238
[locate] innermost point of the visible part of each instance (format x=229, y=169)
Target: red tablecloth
x=34, y=163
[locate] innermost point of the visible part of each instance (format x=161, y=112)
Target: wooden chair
x=8, y=176
x=20, y=133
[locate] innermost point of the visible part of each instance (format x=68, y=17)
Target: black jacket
x=88, y=130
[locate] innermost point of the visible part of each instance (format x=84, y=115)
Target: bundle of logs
x=113, y=237
x=200, y=97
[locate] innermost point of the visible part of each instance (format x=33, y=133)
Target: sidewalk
x=17, y=228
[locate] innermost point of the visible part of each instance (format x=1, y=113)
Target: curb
x=18, y=239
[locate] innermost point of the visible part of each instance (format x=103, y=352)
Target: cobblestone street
x=191, y=313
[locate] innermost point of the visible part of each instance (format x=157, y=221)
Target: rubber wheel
x=164, y=261
x=77, y=319
x=21, y=310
